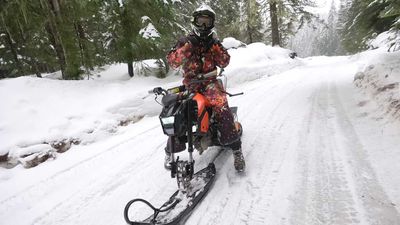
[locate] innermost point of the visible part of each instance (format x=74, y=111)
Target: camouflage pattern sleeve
x=221, y=55
x=179, y=54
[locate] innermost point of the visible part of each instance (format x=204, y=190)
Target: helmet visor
x=203, y=21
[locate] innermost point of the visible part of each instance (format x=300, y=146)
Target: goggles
x=203, y=20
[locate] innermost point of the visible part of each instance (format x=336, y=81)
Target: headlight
x=168, y=125
x=168, y=120
x=194, y=129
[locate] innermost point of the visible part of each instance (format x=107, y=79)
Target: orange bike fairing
x=202, y=103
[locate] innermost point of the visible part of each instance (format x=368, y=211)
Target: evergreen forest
x=76, y=36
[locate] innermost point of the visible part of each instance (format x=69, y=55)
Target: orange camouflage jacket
x=197, y=57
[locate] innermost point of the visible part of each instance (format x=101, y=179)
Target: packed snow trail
x=307, y=163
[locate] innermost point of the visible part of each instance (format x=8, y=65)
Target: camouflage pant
x=227, y=133
x=226, y=129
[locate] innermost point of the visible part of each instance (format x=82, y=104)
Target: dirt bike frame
x=179, y=119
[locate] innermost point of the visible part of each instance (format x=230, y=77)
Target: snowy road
x=307, y=163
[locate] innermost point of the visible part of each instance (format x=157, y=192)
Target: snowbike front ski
x=180, y=204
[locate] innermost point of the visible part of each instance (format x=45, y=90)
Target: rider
x=201, y=52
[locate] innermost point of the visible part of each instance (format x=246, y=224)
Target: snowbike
x=187, y=117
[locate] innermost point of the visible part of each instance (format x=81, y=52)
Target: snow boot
x=167, y=161
x=238, y=160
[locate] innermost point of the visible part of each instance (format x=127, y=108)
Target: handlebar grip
x=177, y=89
x=157, y=91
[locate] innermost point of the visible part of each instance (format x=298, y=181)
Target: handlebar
x=182, y=88
x=157, y=91
x=161, y=91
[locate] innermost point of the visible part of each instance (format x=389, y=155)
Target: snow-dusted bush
x=231, y=42
x=388, y=40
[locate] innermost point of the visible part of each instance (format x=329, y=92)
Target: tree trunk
x=55, y=41
x=249, y=19
x=52, y=9
x=130, y=69
x=166, y=64
x=56, y=7
x=31, y=60
x=82, y=46
x=12, y=48
x=249, y=32
x=274, y=23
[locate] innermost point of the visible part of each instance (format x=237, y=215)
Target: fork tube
x=189, y=131
x=173, y=161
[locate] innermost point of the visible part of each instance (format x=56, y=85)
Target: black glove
x=158, y=90
x=212, y=41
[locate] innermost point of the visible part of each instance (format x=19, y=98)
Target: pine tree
x=61, y=35
x=392, y=11
x=328, y=42
x=129, y=18
x=25, y=51
x=286, y=17
x=182, y=12
x=253, y=22
x=273, y=10
x=365, y=19
x=228, y=17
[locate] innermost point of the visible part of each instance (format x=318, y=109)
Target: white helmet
x=203, y=21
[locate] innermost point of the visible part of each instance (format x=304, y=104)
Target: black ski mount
x=180, y=204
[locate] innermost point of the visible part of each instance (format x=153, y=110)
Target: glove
x=158, y=90
x=184, y=50
x=191, y=87
x=211, y=42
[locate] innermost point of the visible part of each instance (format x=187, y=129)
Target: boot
x=238, y=160
x=167, y=161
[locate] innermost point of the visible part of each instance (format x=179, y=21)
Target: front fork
x=185, y=169
x=190, y=136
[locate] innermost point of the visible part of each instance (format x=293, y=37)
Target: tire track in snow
x=114, y=182
x=324, y=195
x=338, y=186
x=369, y=193
x=261, y=177
x=262, y=184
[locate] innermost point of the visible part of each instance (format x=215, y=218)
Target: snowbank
x=388, y=41
x=258, y=60
x=48, y=111
x=231, y=42
x=379, y=79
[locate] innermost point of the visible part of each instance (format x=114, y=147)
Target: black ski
x=180, y=205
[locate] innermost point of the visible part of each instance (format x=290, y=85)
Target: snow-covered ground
x=319, y=150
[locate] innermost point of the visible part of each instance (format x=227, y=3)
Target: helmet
x=203, y=21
